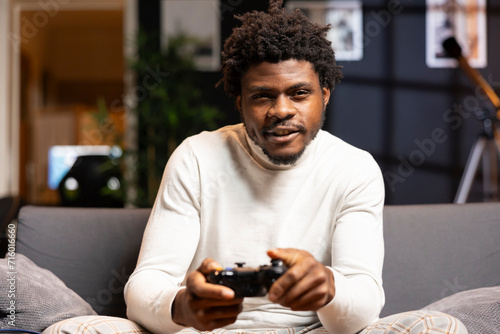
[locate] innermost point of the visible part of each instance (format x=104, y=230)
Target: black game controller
x=248, y=282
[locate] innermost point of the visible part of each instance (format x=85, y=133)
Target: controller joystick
x=248, y=282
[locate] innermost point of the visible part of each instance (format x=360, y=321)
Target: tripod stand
x=487, y=145
x=487, y=148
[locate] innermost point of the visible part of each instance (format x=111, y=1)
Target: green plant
x=169, y=109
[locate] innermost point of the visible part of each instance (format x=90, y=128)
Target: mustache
x=285, y=124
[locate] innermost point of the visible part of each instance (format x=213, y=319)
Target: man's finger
x=208, y=265
x=299, y=263
x=209, y=315
x=311, y=287
x=281, y=288
x=213, y=304
x=315, y=279
x=289, y=256
x=198, y=286
x=212, y=291
x=310, y=301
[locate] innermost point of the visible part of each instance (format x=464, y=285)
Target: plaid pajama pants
x=414, y=322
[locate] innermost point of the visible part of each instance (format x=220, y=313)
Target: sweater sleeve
x=357, y=253
x=169, y=243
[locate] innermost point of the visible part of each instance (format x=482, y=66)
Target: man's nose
x=282, y=108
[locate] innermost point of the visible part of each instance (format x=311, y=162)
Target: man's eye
x=260, y=96
x=301, y=93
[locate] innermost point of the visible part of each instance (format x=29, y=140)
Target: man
x=287, y=185
x=274, y=187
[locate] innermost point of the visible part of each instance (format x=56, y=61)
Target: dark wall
x=404, y=113
x=392, y=105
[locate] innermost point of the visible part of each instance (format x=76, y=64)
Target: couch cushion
x=478, y=309
x=434, y=251
x=93, y=251
x=35, y=298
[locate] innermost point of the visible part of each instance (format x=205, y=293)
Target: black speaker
x=92, y=181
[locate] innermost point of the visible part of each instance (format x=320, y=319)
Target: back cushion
x=434, y=251
x=93, y=251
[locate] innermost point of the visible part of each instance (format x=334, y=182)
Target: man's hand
x=203, y=305
x=307, y=285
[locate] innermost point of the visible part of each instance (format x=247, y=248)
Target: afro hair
x=276, y=36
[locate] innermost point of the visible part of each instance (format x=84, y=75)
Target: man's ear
x=238, y=103
x=326, y=96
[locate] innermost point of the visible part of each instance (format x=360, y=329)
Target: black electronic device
x=248, y=282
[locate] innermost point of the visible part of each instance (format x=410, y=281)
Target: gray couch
x=432, y=251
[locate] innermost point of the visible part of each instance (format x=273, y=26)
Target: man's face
x=282, y=106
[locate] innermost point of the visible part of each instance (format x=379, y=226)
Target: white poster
x=346, y=18
x=199, y=19
x=465, y=20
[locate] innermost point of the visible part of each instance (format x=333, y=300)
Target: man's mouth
x=280, y=133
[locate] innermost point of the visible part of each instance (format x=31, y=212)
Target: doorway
x=71, y=68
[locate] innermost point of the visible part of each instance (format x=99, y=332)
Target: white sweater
x=222, y=198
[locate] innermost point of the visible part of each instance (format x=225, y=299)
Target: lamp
x=487, y=146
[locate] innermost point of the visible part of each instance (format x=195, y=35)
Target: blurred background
x=95, y=95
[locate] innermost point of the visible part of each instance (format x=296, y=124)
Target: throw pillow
x=478, y=309
x=98, y=324
x=33, y=298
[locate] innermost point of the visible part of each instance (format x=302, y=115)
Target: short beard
x=291, y=159
x=283, y=159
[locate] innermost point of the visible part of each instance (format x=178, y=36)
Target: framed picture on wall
x=198, y=19
x=463, y=19
x=346, y=18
